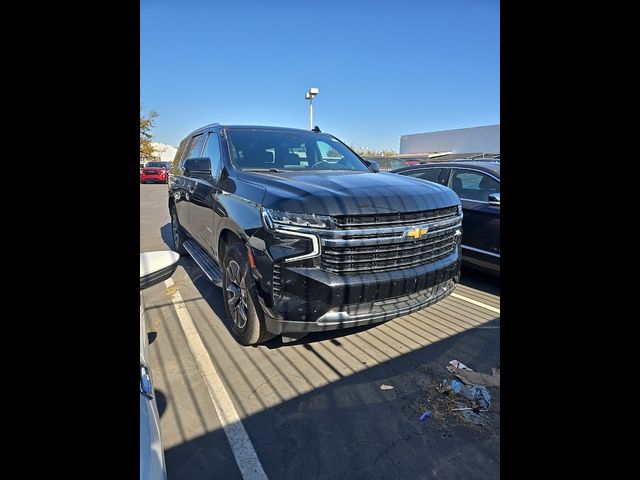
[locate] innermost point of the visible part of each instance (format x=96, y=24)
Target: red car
x=155, y=172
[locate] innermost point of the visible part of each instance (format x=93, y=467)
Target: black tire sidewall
x=254, y=330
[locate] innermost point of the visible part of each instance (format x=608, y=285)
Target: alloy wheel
x=236, y=294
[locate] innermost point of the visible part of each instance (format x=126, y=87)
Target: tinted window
x=195, y=147
x=473, y=185
x=282, y=150
x=430, y=174
x=383, y=163
x=395, y=163
x=158, y=164
x=181, y=148
x=327, y=152
x=212, y=150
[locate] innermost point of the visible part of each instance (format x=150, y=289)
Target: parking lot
x=314, y=408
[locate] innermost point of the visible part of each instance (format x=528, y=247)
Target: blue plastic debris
x=477, y=394
x=425, y=415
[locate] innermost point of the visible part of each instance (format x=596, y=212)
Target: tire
x=240, y=294
x=177, y=233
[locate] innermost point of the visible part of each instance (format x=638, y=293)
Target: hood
x=349, y=193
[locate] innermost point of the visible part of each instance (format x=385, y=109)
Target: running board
x=208, y=266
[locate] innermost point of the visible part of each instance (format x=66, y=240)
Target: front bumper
x=313, y=300
x=155, y=178
x=365, y=314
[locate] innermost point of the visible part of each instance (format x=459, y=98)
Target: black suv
x=304, y=235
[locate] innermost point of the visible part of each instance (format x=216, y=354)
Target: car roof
x=487, y=166
x=249, y=127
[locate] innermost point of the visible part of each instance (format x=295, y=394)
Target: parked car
x=477, y=183
x=303, y=235
x=155, y=172
x=155, y=267
x=389, y=163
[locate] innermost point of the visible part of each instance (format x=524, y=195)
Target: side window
x=179, y=153
x=195, y=147
x=212, y=150
x=471, y=185
x=430, y=174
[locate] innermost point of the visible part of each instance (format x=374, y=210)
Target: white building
x=461, y=140
x=164, y=152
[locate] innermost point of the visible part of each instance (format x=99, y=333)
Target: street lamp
x=313, y=91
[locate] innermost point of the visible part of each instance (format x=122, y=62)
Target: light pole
x=313, y=91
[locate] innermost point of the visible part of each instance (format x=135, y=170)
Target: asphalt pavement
x=314, y=408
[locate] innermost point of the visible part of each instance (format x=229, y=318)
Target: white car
x=155, y=267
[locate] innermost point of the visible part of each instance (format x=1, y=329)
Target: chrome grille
x=386, y=247
x=392, y=219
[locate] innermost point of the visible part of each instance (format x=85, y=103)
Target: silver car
x=155, y=267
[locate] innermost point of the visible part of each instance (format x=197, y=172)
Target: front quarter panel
x=238, y=209
x=177, y=194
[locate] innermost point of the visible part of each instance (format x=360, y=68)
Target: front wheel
x=244, y=316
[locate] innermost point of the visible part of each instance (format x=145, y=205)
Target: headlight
x=276, y=218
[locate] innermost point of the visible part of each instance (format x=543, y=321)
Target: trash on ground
x=386, y=387
x=475, y=418
x=480, y=395
x=425, y=415
x=476, y=378
x=450, y=402
x=457, y=365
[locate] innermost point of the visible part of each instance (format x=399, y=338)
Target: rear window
x=158, y=165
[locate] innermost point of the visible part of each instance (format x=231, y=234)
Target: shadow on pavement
x=478, y=280
x=161, y=401
x=213, y=296
x=352, y=429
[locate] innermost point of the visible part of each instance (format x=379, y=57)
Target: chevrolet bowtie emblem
x=417, y=232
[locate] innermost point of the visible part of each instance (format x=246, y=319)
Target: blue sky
x=384, y=68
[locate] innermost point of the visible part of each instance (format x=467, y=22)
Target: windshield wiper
x=262, y=170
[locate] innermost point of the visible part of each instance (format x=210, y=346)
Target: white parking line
x=241, y=446
x=475, y=302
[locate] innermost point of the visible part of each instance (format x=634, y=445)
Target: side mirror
x=373, y=165
x=156, y=267
x=197, y=166
x=494, y=199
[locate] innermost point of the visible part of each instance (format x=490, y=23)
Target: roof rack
x=483, y=155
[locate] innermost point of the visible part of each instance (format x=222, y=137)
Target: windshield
x=157, y=165
x=272, y=150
